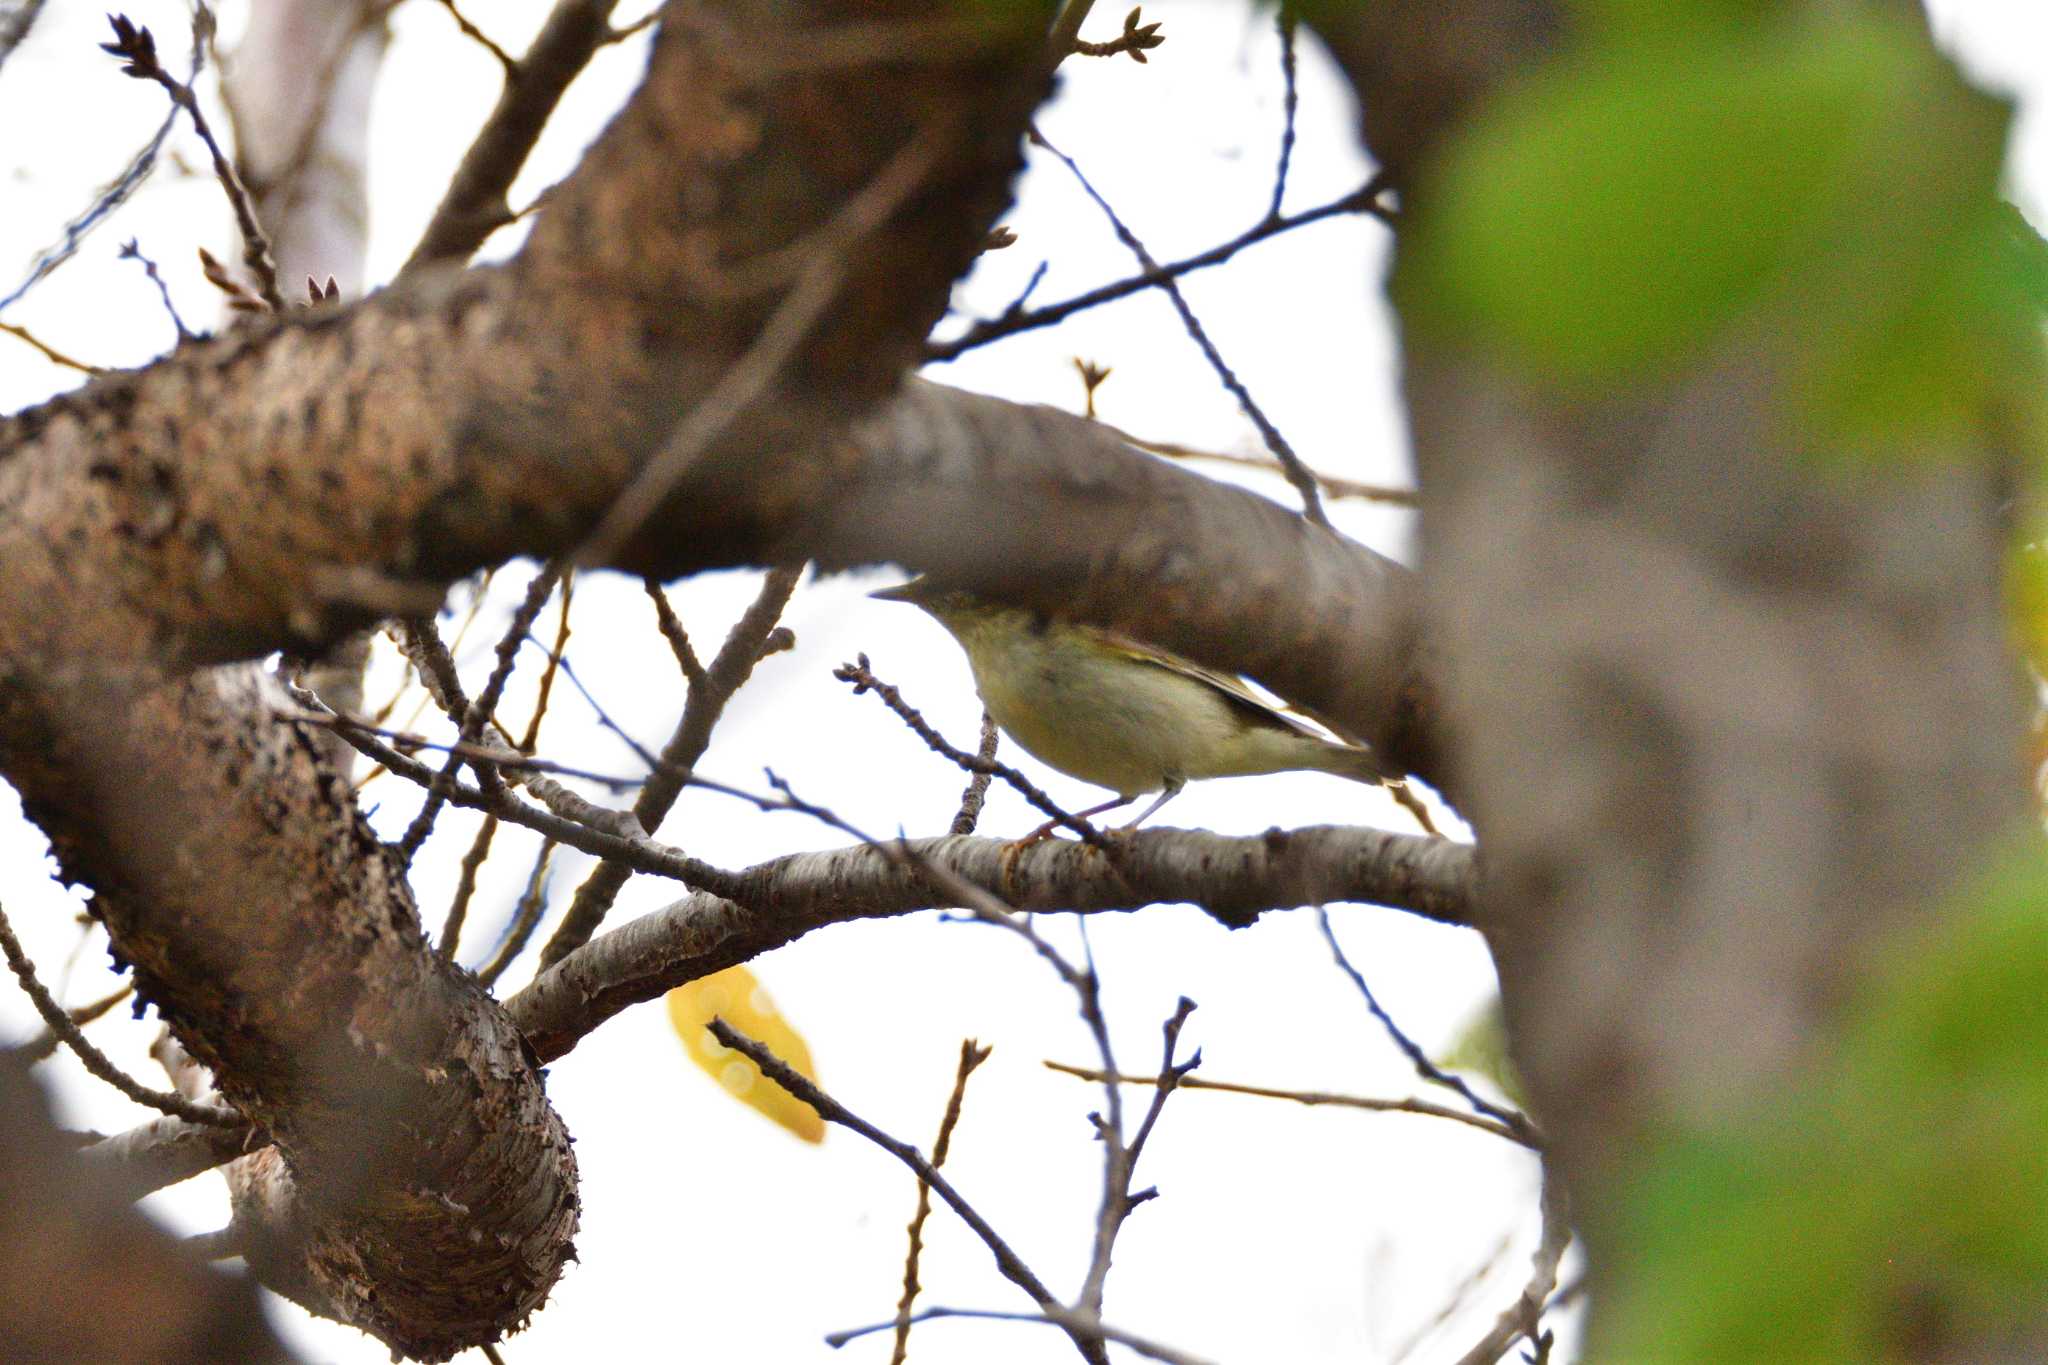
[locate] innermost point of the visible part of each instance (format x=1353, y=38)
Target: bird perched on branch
x=1124, y=715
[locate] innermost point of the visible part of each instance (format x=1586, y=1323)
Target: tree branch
x=1235, y=879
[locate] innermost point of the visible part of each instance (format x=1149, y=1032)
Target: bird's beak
x=911, y=592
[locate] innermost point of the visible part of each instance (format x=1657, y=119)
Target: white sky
x=1282, y=1234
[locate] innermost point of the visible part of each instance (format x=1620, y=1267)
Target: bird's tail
x=1355, y=762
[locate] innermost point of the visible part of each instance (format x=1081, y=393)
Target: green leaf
x=1828, y=184
x=1901, y=1181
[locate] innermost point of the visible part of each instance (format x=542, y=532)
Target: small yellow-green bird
x=1120, y=714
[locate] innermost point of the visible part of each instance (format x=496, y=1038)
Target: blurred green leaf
x=1900, y=1187
x=1827, y=185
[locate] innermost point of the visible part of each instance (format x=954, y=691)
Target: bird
x=1119, y=713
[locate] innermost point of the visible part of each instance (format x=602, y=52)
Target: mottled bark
x=284, y=484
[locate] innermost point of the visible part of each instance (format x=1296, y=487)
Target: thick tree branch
x=429, y=1194
x=1234, y=879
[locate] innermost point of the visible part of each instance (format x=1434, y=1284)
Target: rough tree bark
x=295, y=480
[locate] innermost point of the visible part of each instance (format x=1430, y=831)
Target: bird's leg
x=1173, y=786
x=1013, y=849
x=1044, y=831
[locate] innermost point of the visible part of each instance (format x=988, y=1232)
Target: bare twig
x=601, y=838
x=132, y=251
x=775, y=1069
x=136, y=47
x=1297, y=473
x=624, y=31
x=1136, y=40
x=1332, y=485
x=752, y=638
x=45, y=1043
x=496, y=756
x=1524, y=1317
x=604, y=718
x=673, y=632
x=97, y=1062
x=483, y=40
x=1015, y=319
x=50, y=353
x=972, y=1055
x=977, y=785
x=1064, y=1318
x=530, y=905
x=1290, y=103
x=524, y=917
x=124, y=185
x=862, y=676
x=474, y=205
x=1424, y=1067
x=1120, y=1159
x=479, y=712
x=1313, y=1098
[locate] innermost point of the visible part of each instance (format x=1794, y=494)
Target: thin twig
x=479, y=712
x=1120, y=1161
x=510, y=760
x=752, y=638
x=45, y=1043
x=1135, y=41
x=622, y=32
x=1425, y=1068
x=977, y=785
x=972, y=1055
x=604, y=719
x=1524, y=1317
x=132, y=251
x=1065, y=1318
x=474, y=205
x=672, y=631
x=1332, y=485
x=487, y=833
x=1315, y=1097
x=1290, y=102
x=1297, y=473
x=483, y=40
x=832, y=1111
x=50, y=353
x=122, y=187
x=1014, y=319
x=602, y=838
x=97, y=1062
x=863, y=679
x=136, y=47
x=524, y=917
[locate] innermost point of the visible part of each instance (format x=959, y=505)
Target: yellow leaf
x=735, y=996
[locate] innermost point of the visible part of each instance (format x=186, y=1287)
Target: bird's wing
x=1252, y=706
